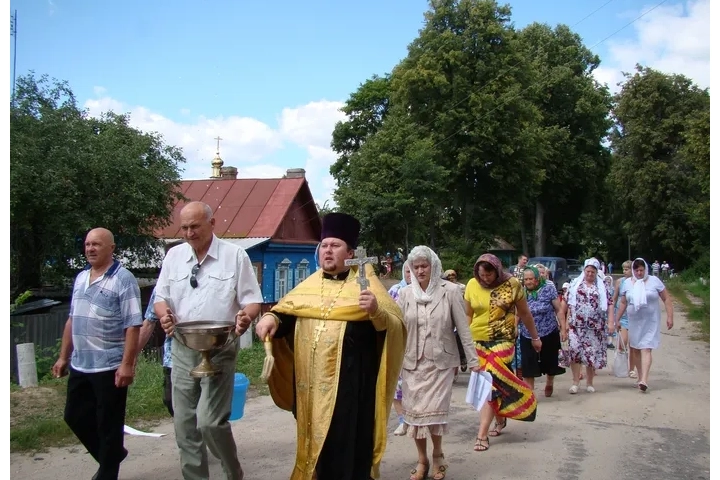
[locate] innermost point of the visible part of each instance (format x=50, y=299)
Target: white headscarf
x=639, y=296
x=599, y=283
x=422, y=252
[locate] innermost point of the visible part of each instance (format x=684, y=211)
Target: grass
x=697, y=310
x=36, y=414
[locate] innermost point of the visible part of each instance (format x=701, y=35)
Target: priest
x=338, y=350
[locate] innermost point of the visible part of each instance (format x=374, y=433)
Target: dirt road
x=615, y=433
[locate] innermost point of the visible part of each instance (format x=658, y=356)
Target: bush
x=699, y=269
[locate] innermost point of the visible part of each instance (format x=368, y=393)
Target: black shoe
x=122, y=457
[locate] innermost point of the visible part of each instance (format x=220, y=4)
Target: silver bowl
x=205, y=336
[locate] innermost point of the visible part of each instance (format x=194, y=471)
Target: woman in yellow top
x=492, y=299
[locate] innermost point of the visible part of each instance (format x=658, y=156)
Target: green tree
x=575, y=120
x=660, y=167
x=463, y=82
x=366, y=109
x=70, y=172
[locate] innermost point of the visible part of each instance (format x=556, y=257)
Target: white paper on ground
x=479, y=389
x=132, y=431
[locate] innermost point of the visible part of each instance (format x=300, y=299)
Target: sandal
x=498, y=428
x=479, y=447
x=548, y=390
x=419, y=472
x=439, y=467
x=642, y=386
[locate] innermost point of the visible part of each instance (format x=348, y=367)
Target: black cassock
x=348, y=449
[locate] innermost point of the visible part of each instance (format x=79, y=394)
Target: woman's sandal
x=439, y=467
x=548, y=390
x=479, y=447
x=419, y=472
x=498, y=428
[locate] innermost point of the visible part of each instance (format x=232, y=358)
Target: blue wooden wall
x=293, y=260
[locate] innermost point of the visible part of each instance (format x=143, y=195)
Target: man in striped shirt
x=101, y=334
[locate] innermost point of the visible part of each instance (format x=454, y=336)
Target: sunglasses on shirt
x=193, y=276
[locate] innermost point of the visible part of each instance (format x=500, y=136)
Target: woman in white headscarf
x=639, y=296
x=588, y=312
x=432, y=309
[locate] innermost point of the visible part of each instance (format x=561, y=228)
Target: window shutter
x=277, y=284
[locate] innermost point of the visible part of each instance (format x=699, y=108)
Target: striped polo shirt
x=100, y=313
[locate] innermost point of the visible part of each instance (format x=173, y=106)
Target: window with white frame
x=301, y=271
x=282, y=279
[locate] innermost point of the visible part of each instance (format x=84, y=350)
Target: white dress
x=644, y=324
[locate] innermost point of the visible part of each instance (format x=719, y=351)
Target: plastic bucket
x=239, y=395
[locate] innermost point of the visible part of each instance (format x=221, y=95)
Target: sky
x=269, y=77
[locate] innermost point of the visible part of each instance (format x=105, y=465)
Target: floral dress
x=586, y=328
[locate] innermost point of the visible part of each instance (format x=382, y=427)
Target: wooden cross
x=319, y=331
x=360, y=260
x=218, y=142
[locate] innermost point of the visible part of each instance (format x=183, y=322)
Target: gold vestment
x=317, y=355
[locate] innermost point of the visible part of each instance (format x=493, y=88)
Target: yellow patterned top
x=493, y=309
x=316, y=355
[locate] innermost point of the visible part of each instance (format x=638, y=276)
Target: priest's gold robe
x=316, y=357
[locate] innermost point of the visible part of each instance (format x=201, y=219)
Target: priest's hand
x=266, y=326
x=368, y=302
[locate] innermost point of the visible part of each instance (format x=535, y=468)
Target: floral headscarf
x=533, y=294
x=502, y=275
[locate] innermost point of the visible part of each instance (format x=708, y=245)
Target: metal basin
x=205, y=336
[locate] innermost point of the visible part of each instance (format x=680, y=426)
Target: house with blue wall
x=274, y=219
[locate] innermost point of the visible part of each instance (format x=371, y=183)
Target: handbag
x=621, y=365
x=564, y=355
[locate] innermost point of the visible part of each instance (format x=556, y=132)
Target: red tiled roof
x=242, y=207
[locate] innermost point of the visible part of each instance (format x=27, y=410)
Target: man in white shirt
x=205, y=279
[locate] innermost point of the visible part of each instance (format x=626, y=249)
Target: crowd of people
x=347, y=351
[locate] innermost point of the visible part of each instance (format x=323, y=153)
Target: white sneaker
x=401, y=429
x=590, y=389
x=573, y=389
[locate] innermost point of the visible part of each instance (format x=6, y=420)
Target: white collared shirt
x=226, y=283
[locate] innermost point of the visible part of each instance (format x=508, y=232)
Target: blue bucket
x=239, y=395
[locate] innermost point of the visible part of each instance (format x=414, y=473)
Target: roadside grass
x=697, y=310
x=36, y=414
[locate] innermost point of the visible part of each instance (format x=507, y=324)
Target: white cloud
x=674, y=39
x=246, y=143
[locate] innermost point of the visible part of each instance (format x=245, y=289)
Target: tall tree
x=365, y=109
x=463, y=81
x=575, y=121
x=70, y=172
x=661, y=162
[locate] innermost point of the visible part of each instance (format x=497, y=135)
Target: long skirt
x=511, y=397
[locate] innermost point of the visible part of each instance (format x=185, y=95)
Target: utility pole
x=13, y=33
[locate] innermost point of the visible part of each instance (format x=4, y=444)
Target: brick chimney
x=295, y=173
x=228, y=173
